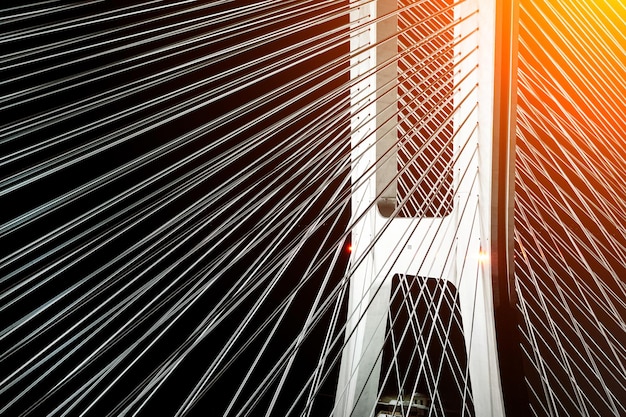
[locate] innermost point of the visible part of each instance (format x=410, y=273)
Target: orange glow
x=483, y=256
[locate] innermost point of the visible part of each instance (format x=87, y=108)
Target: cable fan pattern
x=570, y=225
x=177, y=205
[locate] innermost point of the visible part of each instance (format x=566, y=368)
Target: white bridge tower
x=455, y=246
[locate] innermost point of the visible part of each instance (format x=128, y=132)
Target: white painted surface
x=446, y=248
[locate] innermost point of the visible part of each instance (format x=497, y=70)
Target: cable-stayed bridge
x=313, y=208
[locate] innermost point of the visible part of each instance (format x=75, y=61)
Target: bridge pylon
x=451, y=245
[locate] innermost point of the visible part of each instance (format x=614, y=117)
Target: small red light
x=349, y=248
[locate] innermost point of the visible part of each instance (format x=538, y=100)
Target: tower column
x=453, y=247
